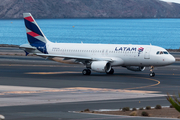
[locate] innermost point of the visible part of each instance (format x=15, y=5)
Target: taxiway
x=34, y=88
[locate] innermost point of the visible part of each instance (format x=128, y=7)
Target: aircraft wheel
x=86, y=72
x=89, y=71
x=151, y=74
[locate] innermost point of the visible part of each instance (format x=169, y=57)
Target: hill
x=89, y=9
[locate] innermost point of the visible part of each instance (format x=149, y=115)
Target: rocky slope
x=89, y=9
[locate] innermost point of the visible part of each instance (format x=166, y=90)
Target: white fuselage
x=120, y=54
x=96, y=57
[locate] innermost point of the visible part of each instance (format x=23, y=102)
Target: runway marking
x=158, y=82
x=31, y=90
x=49, y=73
x=67, y=72
x=59, y=65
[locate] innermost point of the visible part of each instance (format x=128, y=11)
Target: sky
x=176, y=1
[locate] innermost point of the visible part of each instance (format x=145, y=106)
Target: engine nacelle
x=136, y=68
x=101, y=66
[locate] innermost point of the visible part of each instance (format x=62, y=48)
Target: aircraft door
x=147, y=53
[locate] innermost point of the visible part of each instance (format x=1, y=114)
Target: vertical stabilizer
x=35, y=36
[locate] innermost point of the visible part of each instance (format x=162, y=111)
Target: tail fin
x=35, y=36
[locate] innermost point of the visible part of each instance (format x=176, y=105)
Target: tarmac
x=34, y=88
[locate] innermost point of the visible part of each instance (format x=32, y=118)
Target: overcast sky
x=176, y=1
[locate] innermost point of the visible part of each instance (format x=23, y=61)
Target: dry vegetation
x=164, y=112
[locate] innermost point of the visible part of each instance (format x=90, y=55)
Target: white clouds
x=175, y=1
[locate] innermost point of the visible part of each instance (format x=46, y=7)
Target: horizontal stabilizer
x=27, y=46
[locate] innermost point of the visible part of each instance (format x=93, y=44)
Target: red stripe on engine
x=33, y=34
x=29, y=19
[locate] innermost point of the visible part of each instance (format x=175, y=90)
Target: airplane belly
x=132, y=62
x=117, y=62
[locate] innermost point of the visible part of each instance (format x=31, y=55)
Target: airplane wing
x=74, y=57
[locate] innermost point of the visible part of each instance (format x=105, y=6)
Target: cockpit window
x=161, y=52
x=165, y=52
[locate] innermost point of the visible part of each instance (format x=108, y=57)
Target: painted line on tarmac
x=69, y=72
x=158, y=82
x=64, y=72
x=59, y=65
x=50, y=73
x=31, y=90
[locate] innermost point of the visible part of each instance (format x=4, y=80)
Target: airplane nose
x=171, y=59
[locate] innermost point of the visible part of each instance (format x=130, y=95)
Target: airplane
x=96, y=57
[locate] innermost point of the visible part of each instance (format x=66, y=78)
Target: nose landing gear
x=151, y=74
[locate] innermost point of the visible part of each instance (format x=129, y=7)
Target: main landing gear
x=151, y=74
x=86, y=72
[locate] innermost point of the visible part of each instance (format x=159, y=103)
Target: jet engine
x=136, y=68
x=101, y=66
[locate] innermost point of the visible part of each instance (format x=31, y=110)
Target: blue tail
x=35, y=36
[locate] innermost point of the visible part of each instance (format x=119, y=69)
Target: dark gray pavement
x=14, y=69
